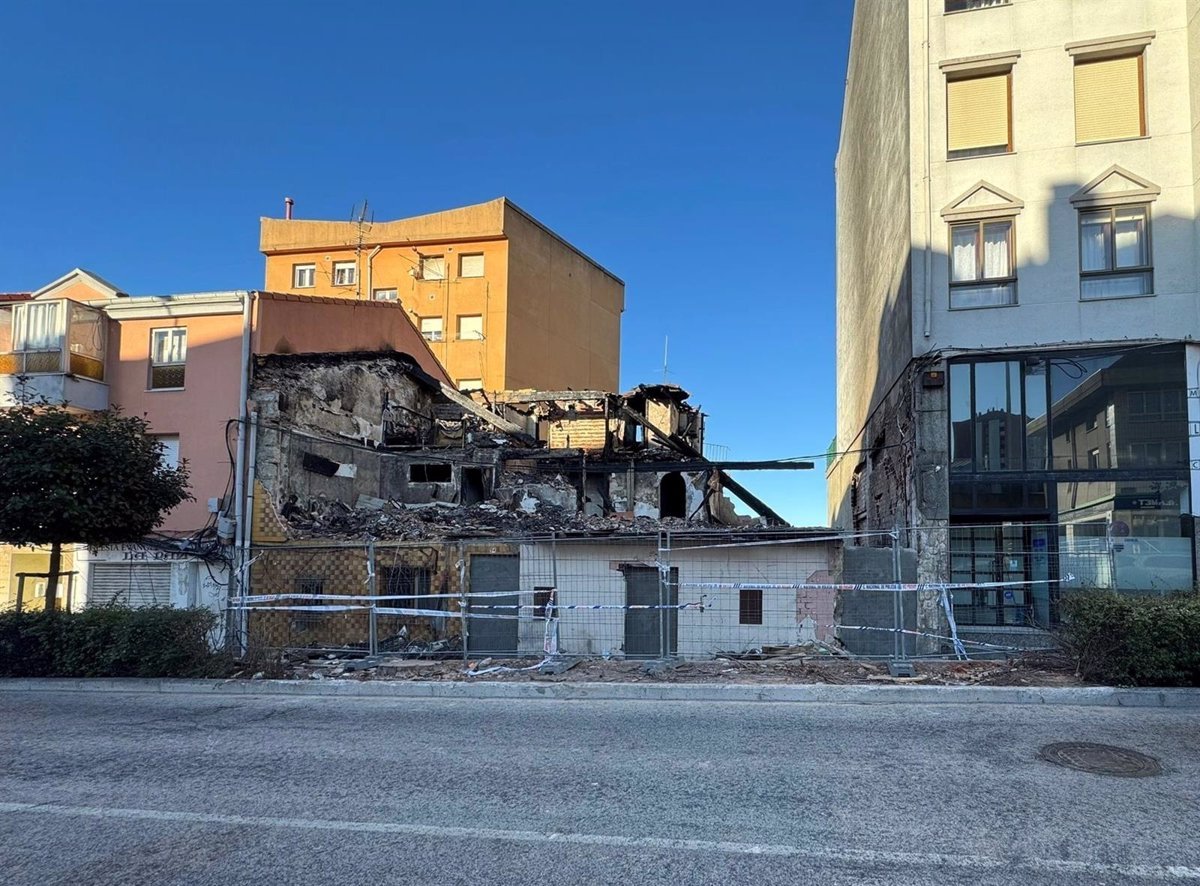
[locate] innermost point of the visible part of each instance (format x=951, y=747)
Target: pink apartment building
x=182, y=362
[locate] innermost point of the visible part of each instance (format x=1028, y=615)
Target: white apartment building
x=1018, y=305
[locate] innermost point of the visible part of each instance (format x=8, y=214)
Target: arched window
x=672, y=497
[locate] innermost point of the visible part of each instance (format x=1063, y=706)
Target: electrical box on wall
x=215, y=505
x=933, y=378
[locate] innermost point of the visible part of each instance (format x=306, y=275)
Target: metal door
x=647, y=633
x=492, y=573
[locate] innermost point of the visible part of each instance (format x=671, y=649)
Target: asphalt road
x=129, y=789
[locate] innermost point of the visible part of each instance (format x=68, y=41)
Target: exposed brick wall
x=580, y=433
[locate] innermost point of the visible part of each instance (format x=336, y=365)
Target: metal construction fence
x=692, y=595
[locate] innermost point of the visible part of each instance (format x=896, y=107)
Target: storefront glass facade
x=1068, y=464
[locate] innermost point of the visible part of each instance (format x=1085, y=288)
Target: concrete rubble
x=367, y=445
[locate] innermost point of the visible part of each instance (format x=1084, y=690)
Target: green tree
x=94, y=479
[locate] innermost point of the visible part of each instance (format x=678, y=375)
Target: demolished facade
x=370, y=443
x=392, y=512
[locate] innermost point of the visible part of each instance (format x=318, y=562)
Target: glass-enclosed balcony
x=53, y=351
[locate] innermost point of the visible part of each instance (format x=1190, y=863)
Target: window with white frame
x=170, y=449
x=1114, y=252
x=345, y=273
x=470, y=327
x=38, y=327
x=431, y=328
x=168, y=357
x=433, y=267
x=981, y=264
x=470, y=265
x=38, y=331
x=304, y=276
x=385, y=295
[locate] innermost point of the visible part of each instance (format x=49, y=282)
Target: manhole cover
x=1100, y=759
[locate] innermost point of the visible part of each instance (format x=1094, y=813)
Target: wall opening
x=429, y=472
x=672, y=497
x=472, y=492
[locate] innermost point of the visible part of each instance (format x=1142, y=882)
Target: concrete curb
x=1089, y=696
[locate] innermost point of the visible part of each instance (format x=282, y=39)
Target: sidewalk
x=1091, y=696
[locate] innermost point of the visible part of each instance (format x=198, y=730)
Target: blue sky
x=689, y=147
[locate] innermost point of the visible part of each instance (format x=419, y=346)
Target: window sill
x=985, y=307
x=163, y=390
x=1113, y=141
x=1095, y=298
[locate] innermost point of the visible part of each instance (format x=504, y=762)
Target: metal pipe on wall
x=239, y=487
x=371, y=271
x=928, y=281
x=248, y=513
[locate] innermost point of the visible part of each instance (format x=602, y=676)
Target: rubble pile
x=322, y=517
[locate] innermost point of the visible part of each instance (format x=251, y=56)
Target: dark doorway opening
x=473, y=491
x=672, y=496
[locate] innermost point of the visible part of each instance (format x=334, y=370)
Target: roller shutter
x=977, y=113
x=130, y=584
x=1108, y=99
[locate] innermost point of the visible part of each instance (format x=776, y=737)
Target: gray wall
x=874, y=313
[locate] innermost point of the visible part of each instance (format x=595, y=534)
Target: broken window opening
x=430, y=472
x=750, y=606
x=308, y=621
x=410, y=584
x=541, y=599
x=473, y=490
x=672, y=497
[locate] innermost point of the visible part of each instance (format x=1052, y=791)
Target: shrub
x=109, y=641
x=1133, y=640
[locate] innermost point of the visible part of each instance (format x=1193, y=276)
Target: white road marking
x=837, y=856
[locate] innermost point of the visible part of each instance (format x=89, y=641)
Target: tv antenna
x=363, y=219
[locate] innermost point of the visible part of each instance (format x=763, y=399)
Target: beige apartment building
x=504, y=302
x=1017, y=295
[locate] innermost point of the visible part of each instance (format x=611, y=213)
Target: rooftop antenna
x=362, y=221
x=666, y=342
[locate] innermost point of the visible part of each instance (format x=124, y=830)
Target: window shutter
x=977, y=113
x=1108, y=99
x=472, y=266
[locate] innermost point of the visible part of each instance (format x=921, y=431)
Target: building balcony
x=53, y=352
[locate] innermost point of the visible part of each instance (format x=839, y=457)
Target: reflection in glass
x=1119, y=410
x=960, y=416
x=1125, y=535
x=1036, y=428
x=998, y=421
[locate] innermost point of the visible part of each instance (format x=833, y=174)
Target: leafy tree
x=94, y=479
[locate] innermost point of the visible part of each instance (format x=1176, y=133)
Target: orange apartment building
x=504, y=302
x=183, y=363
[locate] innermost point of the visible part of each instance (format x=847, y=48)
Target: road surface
x=100, y=788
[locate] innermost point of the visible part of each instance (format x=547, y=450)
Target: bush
x=1133, y=640
x=109, y=641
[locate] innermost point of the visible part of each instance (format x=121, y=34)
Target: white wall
x=1047, y=167
x=590, y=573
